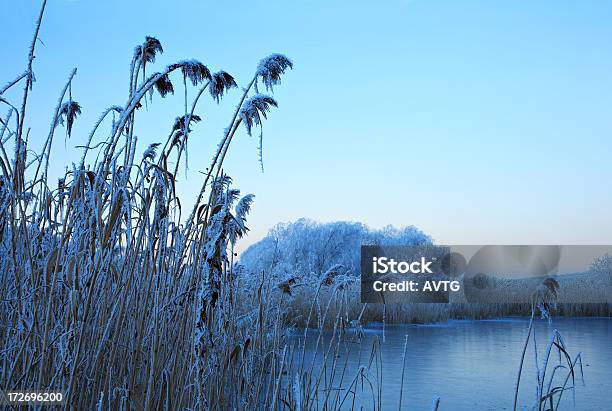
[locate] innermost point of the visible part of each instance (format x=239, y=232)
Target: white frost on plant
x=219, y=84
x=254, y=109
x=271, y=68
x=252, y=112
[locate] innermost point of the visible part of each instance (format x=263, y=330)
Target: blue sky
x=477, y=121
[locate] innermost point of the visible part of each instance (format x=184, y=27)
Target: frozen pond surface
x=472, y=365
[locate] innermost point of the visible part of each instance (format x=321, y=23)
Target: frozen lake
x=472, y=365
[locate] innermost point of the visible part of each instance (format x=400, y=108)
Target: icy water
x=472, y=365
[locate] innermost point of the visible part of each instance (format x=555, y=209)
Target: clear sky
x=476, y=121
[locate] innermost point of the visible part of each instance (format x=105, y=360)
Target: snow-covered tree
x=306, y=247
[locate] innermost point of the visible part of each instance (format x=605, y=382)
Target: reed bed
x=120, y=298
x=503, y=304
x=113, y=292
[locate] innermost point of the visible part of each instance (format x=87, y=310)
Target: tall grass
x=502, y=304
x=554, y=378
x=117, y=297
x=111, y=292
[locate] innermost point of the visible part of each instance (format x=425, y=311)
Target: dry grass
x=554, y=378
x=110, y=293
x=115, y=297
x=502, y=305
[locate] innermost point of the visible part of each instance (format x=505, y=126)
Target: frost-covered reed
x=556, y=372
x=116, y=295
x=113, y=293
